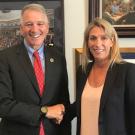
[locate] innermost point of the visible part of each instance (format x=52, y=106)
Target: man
x=33, y=102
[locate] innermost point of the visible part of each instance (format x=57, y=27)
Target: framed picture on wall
x=120, y=13
x=128, y=54
x=10, y=21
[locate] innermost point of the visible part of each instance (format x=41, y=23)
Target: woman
x=105, y=96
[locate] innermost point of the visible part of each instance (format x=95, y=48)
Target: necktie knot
x=35, y=53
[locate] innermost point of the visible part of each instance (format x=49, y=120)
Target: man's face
x=34, y=28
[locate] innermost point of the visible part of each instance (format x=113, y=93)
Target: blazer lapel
x=111, y=74
x=24, y=60
x=49, y=69
x=84, y=78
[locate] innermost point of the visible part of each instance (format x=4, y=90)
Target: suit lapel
x=111, y=74
x=24, y=60
x=84, y=79
x=49, y=69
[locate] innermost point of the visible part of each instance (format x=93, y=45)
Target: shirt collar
x=31, y=50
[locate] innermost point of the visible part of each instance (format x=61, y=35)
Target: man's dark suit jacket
x=20, y=100
x=117, y=104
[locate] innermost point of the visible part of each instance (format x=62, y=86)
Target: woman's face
x=99, y=44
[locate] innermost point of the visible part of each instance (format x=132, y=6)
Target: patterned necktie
x=39, y=72
x=40, y=79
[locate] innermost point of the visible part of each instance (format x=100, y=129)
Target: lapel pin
x=50, y=44
x=51, y=59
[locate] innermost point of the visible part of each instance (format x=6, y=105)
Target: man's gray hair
x=36, y=7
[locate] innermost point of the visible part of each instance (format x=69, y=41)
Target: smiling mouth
x=35, y=35
x=98, y=50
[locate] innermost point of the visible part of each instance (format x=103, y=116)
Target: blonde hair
x=35, y=7
x=115, y=56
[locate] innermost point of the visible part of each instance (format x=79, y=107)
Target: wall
x=76, y=19
x=75, y=22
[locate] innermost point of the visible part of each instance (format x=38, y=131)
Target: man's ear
x=21, y=31
x=47, y=28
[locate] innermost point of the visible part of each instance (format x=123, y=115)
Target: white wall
x=76, y=19
x=75, y=22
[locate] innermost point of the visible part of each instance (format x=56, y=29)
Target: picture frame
x=96, y=10
x=128, y=54
x=10, y=18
